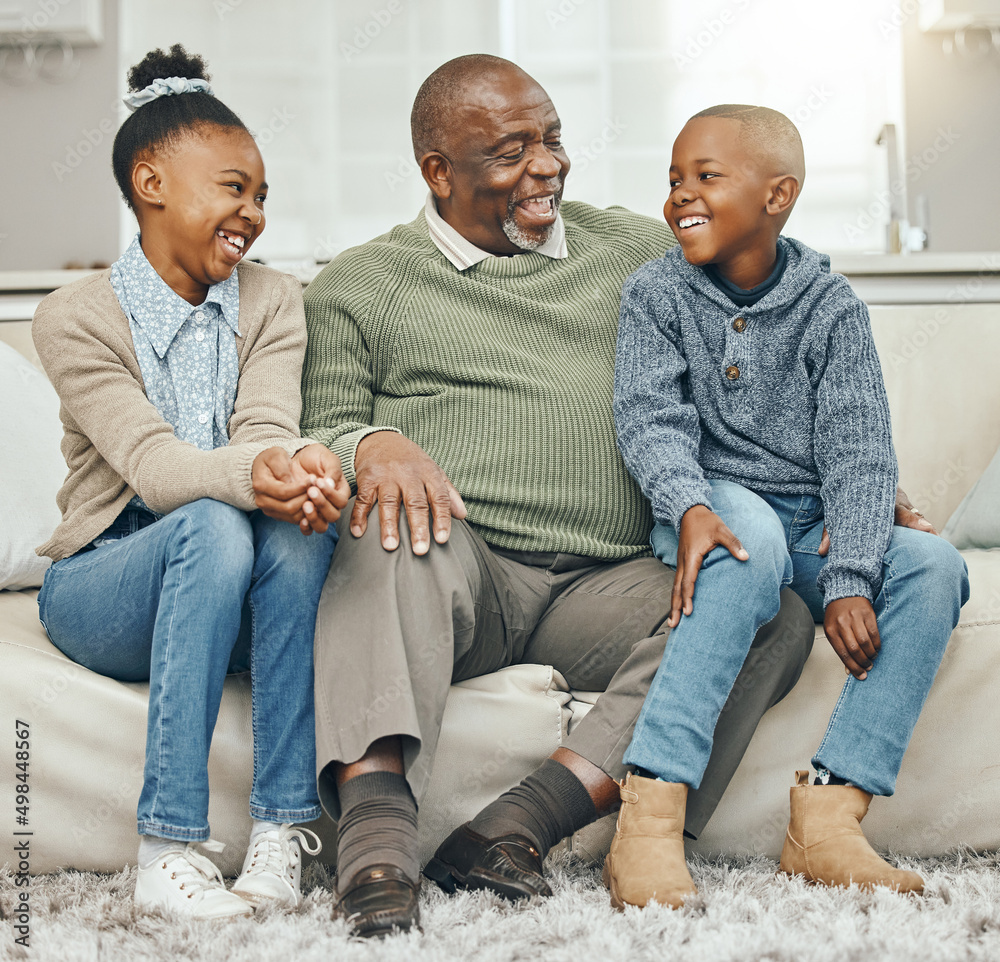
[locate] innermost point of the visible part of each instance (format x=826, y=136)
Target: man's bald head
x=432, y=120
x=768, y=134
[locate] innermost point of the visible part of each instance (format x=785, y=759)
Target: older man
x=461, y=366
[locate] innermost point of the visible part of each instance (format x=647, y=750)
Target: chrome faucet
x=896, y=229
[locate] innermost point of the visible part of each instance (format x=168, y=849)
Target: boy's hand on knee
x=851, y=629
x=701, y=530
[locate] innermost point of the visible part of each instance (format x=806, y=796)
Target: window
x=327, y=88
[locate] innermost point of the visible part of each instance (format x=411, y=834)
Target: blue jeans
x=924, y=585
x=180, y=601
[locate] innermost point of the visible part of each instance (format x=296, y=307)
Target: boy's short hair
x=768, y=133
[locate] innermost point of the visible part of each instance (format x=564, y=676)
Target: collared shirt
x=187, y=355
x=464, y=254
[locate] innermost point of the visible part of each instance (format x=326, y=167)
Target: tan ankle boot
x=824, y=841
x=646, y=861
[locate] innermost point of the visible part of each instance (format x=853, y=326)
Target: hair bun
x=156, y=65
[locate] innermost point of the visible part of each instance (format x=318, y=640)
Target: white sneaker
x=273, y=866
x=185, y=881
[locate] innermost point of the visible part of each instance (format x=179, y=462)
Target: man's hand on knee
x=392, y=471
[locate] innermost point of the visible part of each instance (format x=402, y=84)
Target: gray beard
x=521, y=238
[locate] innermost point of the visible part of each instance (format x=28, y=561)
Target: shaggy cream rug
x=744, y=912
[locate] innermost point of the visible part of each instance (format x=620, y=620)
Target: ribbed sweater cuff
x=290, y=446
x=845, y=584
x=679, y=506
x=346, y=447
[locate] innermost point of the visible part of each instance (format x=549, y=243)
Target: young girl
x=178, y=371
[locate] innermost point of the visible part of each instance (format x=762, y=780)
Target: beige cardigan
x=115, y=442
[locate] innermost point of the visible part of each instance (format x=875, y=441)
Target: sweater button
x=732, y=372
x=739, y=325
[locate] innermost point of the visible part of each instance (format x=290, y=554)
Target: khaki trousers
x=393, y=631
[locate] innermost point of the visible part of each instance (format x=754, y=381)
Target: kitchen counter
x=919, y=278
x=924, y=262
x=922, y=278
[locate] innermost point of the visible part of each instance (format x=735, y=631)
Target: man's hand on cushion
x=391, y=471
x=906, y=516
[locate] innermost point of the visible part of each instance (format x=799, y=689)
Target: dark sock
x=378, y=824
x=548, y=805
x=825, y=777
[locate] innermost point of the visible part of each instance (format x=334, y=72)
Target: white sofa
x=87, y=732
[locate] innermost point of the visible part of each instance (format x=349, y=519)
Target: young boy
x=750, y=406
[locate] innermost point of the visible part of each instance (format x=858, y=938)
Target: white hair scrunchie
x=166, y=87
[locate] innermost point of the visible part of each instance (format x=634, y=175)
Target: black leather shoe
x=509, y=865
x=379, y=901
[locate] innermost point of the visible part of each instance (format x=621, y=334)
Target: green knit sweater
x=502, y=373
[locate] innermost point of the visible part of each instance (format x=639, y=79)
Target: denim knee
x=759, y=530
x=941, y=568
x=298, y=558
x=216, y=538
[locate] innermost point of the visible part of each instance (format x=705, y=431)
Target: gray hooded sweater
x=783, y=397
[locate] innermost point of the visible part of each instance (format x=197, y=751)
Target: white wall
x=953, y=139
x=327, y=86
x=60, y=204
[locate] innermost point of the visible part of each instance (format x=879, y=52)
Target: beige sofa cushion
x=948, y=791
x=32, y=469
x=88, y=737
x=938, y=361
